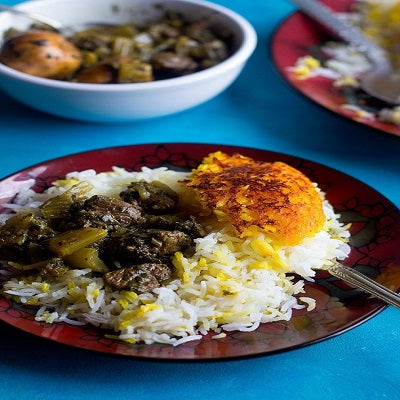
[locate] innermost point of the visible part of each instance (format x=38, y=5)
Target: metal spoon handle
x=361, y=281
x=32, y=16
x=342, y=28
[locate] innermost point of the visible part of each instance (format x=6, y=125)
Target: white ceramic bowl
x=130, y=101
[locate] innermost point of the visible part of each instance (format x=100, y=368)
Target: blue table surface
x=258, y=110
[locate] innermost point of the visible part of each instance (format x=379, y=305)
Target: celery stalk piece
x=86, y=257
x=57, y=206
x=68, y=242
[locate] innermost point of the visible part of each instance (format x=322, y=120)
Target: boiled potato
x=41, y=53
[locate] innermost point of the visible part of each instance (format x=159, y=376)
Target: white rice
x=345, y=64
x=228, y=284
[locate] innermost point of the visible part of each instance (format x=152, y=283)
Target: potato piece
x=103, y=72
x=41, y=53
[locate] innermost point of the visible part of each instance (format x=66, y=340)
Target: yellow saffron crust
x=255, y=196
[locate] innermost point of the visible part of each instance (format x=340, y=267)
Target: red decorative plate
x=298, y=36
x=375, y=251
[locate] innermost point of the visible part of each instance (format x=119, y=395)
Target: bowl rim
x=240, y=56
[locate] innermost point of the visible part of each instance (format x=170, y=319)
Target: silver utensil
x=380, y=81
x=364, y=283
x=36, y=18
x=51, y=22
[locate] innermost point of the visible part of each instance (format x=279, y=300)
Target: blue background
x=258, y=110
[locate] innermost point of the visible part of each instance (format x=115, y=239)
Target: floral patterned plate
x=375, y=251
x=299, y=36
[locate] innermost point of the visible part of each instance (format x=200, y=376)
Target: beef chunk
x=22, y=238
x=153, y=197
x=104, y=212
x=140, y=278
x=169, y=242
x=199, y=30
x=162, y=30
x=89, y=42
x=53, y=269
x=180, y=222
x=152, y=245
x=169, y=64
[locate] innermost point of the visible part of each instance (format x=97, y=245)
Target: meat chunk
x=161, y=30
x=140, y=278
x=180, y=222
x=152, y=197
x=104, y=212
x=53, y=268
x=22, y=238
x=169, y=64
x=152, y=245
x=89, y=42
x=169, y=242
x=199, y=30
